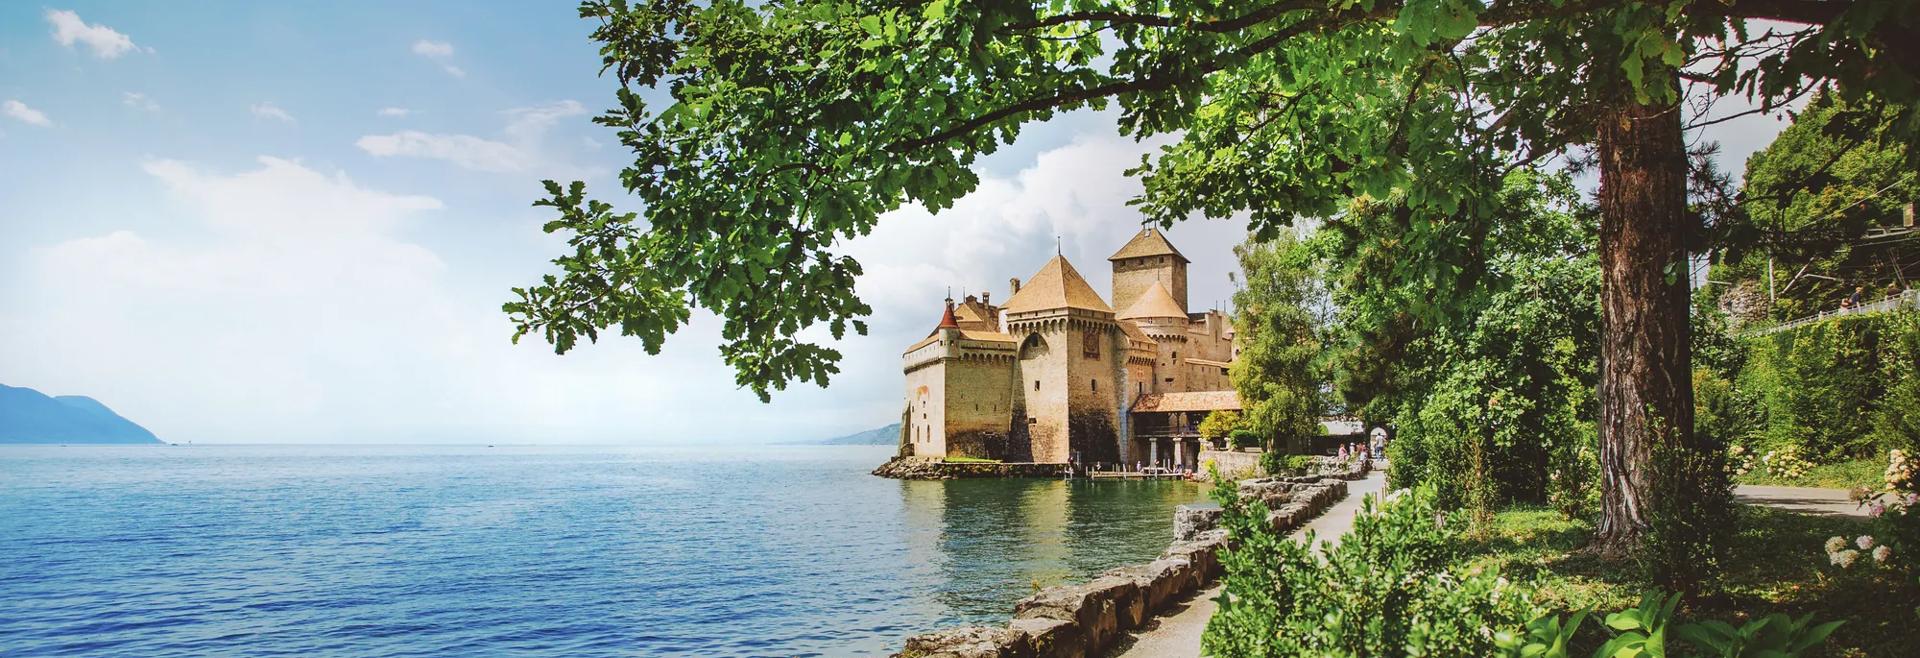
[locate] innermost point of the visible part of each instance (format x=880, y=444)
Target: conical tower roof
x=947, y=320
x=1148, y=242
x=1156, y=302
x=1056, y=285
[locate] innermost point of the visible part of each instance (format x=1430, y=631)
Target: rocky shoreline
x=1083, y=620
x=934, y=468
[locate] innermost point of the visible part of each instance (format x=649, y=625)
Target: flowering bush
x=1739, y=459
x=1785, y=462
x=1895, y=509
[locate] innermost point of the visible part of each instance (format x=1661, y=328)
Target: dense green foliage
x=1840, y=389
x=766, y=134
x=1394, y=585
x=1218, y=424
x=1807, y=200
x=1277, y=371
x=1486, y=367
x=1406, y=581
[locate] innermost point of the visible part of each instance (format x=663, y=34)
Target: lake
x=567, y=551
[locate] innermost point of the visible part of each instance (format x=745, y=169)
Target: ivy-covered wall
x=1844, y=388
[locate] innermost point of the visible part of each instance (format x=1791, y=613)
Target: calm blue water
x=433, y=551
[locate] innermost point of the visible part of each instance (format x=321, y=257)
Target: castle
x=1055, y=375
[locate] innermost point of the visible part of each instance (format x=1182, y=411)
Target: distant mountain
x=29, y=416
x=879, y=436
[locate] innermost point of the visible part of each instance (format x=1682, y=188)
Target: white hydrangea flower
x=1865, y=542
x=1846, y=558
x=1835, y=544
x=1882, y=554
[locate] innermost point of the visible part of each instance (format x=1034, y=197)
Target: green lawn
x=1776, y=564
x=1841, y=475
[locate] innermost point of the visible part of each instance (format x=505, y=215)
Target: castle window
x=1095, y=383
x=1036, y=384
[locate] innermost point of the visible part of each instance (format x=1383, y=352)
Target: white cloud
x=139, y=101
x=271, y=111
x=523, y=147
x=105, y=42
x=439, y=51
x=432, y=49
x=465, y=151
x=394, y=112
x=283, y=303
x=20, y=112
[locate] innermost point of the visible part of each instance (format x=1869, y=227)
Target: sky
x=296, y=222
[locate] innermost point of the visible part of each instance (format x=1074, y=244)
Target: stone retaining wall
x=1232, y=463
x=933, y=468
x=1083, y=620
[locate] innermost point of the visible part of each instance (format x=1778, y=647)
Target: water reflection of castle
x=1055, y=375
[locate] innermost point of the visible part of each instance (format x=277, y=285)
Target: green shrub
x=1220, y=423
x=1841, y=388
x=1393, y=586
x=1652, y=630
x=1243, y=438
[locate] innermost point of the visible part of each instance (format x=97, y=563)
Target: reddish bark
x=1646, y=388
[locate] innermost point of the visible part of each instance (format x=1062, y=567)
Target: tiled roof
x=1156, y=302
x=988, y=336
x=1056, y=285
x=1188, y=401
x=972, y=314
x=1148, y=242
x=923, y=342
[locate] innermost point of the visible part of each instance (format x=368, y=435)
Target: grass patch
x=1839, y=475
x=971, y=460
x=1775, y=564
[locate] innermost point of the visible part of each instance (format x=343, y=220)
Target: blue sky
x=295, y=222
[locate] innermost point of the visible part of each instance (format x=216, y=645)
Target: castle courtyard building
x=1056, y=375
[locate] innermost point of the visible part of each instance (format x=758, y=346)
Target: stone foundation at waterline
x=1083, y=620
x=934, y=468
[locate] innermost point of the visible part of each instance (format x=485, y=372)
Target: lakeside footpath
x=1178, y=635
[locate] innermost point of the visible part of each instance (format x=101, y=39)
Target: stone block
x=1048, y=638
x=1129, y=606
x=1172, y=578
x=967, y=642
x=1191, y=520
x=1202, y=555
x=1092, y=609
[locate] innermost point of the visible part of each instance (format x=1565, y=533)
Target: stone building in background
x=1056, y=375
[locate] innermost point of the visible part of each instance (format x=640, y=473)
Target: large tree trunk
x=1646, y=388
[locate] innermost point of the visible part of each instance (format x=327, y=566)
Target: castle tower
x=957, y=387
x=1144, y=260
x=1158, y=315
x=1069, y=371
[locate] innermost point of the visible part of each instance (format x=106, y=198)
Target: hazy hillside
x=879, y=436
x=29, y=416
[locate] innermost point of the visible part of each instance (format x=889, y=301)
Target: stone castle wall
x=927, y=415
x=979, y=414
